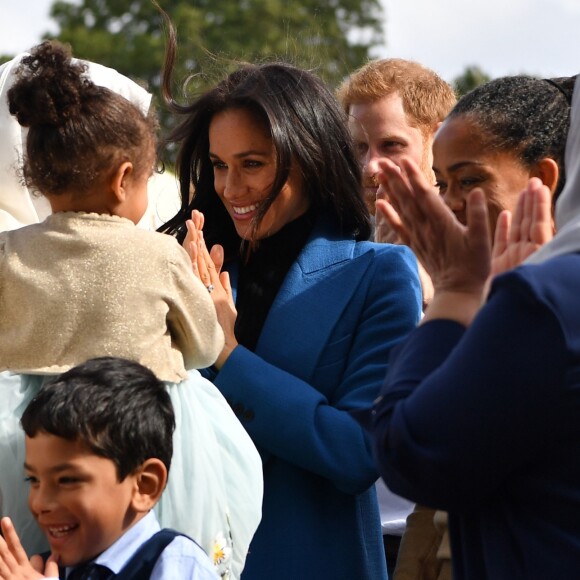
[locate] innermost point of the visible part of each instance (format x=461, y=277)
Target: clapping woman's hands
x=207, y=266
x=531, y=227
x=384, y=234
x=457, y=257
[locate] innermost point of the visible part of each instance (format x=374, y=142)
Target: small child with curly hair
x=86, y=283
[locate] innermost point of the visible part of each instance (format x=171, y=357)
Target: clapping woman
x=486, y=426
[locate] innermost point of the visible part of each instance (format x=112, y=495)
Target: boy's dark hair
x=117, y=407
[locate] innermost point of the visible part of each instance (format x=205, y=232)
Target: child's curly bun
x=50, y=88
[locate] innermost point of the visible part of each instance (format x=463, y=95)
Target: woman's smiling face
x=244, y=162
x=462, y=162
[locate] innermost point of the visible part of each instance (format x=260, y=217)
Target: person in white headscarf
x=18, y=207
x=479, y=412
x=214, y=492
x=567, y=240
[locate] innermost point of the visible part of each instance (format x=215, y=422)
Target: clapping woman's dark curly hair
x=526, y=116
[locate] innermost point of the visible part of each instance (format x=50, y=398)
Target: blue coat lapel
x=316, y=290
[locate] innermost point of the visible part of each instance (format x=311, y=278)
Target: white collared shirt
x=182, y=558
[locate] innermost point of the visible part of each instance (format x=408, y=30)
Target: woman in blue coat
x=310, y=309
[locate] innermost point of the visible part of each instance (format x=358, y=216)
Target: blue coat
x=322, y=352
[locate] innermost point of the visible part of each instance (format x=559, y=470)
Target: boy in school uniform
x=98, y=451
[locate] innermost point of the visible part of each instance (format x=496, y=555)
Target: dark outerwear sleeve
x=461, y=409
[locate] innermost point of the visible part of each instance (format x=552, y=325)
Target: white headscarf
x=567, y=238
x=17, y=206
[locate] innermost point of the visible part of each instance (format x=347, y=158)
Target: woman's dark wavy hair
x=526, y=116
x=307, y=127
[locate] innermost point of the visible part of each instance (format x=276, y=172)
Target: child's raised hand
x=14, y=564
x=191, y=242
x=207, y=266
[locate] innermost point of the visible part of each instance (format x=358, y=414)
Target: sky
x=502, y=37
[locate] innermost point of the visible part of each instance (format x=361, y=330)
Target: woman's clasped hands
x=207, y=266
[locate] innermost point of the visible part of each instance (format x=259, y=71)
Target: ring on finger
x=210, y=288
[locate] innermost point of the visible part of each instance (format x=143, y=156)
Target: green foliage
x=332, y=38
x=471, y=77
